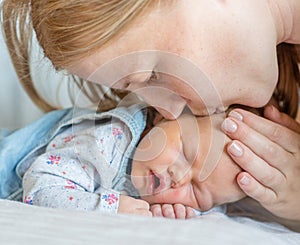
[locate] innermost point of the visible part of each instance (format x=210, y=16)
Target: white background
x=16, y=109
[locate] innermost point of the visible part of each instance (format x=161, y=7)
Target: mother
x=204, y=54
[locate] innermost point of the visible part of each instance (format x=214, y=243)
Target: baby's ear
x=153, y=117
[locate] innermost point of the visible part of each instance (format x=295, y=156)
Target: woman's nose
x=168, y=103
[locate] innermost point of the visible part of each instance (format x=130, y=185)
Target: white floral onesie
x=81, y=168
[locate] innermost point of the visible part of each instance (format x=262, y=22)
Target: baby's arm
x=71, y=187
x=57, y=181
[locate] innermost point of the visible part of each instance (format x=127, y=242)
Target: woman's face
x=203, y=54
x=169, y=162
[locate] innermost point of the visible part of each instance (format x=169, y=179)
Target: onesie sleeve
x=67, y=176
x=50, y=190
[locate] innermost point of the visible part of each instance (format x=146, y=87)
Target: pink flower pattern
x=110, y=198
x=68, y=138
x=53, y=159
x=28, y=200
x=117, y=132
x=70, y=185
x=62, y=165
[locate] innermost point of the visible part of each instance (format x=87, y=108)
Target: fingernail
x=236, y=115
x=245, y=180
x=229, y=126
x=235, y=149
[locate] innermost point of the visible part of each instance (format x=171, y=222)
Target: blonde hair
x=67, y=31
x=72, y=30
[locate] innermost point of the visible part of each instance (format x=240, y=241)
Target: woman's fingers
x=259, y=144
x=267, y=175
x=286, y=138
x=269, y=154
x=283, y=119
x=256, y=190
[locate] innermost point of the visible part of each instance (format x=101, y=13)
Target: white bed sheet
x=25, y=224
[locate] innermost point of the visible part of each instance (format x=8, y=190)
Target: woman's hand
x=131, y=205
x=172, y=211
x=269, y=154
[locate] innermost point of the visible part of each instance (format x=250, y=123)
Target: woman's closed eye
x=154, y=76
x=136, y=80
x=122, y=84
x=147, y=77
x=140, y=78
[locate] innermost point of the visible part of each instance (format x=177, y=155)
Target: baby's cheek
x=179, y=195
x=176, y=193
x=171, y=196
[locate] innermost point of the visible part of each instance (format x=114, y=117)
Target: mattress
x=24, y=224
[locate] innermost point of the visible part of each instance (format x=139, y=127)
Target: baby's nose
x=180, y=175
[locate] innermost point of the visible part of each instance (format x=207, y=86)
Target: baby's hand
x=172, y=211
x=131, y=205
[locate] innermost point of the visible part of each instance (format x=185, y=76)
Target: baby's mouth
x=155, y=183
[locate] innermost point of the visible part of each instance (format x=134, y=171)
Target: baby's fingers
x=180, y=211
x=131, y=205
x=144, y=212
x=172, y=211
x=168, y=211
x=190, y=213
x=143, y=208
x=156, y=210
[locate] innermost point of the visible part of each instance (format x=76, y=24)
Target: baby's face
x=168, y=165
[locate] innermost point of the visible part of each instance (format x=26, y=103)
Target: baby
x=88, y=165
x=191, y=168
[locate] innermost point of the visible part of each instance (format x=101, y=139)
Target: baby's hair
x=69, y=31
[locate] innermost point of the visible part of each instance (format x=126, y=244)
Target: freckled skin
x=240, y=75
